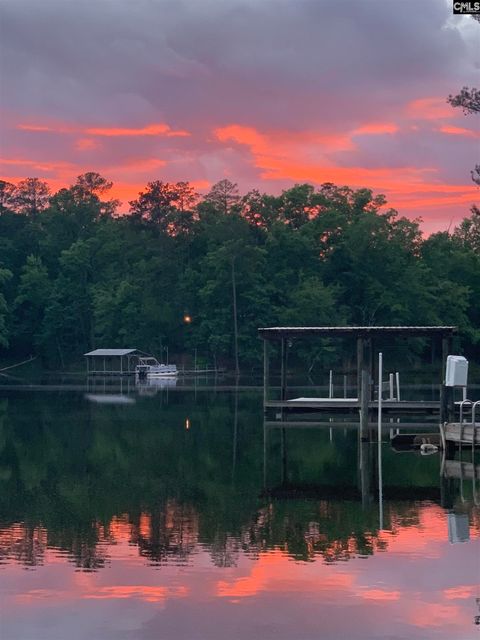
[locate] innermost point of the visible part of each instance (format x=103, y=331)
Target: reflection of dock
x=109, y=398
x=151, y=386
x=460, y=469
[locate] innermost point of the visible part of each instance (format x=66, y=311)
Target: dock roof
x=110, y=352
x=277, y=333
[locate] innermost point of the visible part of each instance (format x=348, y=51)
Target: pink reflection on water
x=415, y=581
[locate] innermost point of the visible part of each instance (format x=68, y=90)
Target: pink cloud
x=157, y=129
x=429, y=109
x=86, y=144
x=376, y=128
x=149, y=130
x=459, y=131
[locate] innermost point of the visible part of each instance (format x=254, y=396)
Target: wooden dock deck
x=332, y=404
x=338, y=426
x=462, y=433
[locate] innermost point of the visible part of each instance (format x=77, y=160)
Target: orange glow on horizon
x=403, y=186
x=279, y=157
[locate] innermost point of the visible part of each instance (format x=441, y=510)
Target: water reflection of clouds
x=422, y=586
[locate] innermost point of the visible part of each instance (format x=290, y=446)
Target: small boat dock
x=280, y=340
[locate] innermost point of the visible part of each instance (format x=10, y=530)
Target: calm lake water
x=160, y=515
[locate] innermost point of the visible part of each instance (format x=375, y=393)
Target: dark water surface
x=152, y=516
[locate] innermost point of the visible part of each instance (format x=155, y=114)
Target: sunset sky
x=267, y=93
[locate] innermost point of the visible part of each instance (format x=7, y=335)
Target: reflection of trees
x=72, y=470
x=167, y=534
x=332, y=529
x=22, y=544
x=87, y=547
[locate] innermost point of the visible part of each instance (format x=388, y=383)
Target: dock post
x=265, y=371
x=283, y=373
x=370, y=366
x=359, y=366
x=364, y=402
x=380, y=383
x=443, y=404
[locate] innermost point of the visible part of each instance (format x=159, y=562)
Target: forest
x=189, y=272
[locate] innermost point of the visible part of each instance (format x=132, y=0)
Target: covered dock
x=112, y=361
x=364, y=337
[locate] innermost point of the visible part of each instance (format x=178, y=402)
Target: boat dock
x=366, y=400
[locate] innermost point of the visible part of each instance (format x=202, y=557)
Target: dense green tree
x=5, y=275
x=260, y=209
x=468, y=231
x=68, y=313
x=29, y=305
x=299, y=204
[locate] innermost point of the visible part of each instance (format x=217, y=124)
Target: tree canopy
x=75, y=274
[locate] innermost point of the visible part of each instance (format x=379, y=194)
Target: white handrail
x=474, y=406
x=461, y=408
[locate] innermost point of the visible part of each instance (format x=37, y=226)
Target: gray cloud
x=291, y=65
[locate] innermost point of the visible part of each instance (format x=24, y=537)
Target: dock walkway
x=462, y=433
x=353, y=403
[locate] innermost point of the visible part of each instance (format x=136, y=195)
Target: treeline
x=188, y=272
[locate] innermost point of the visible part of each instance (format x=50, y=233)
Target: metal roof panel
x=110, y=352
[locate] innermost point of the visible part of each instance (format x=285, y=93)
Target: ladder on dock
x=463, y=432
